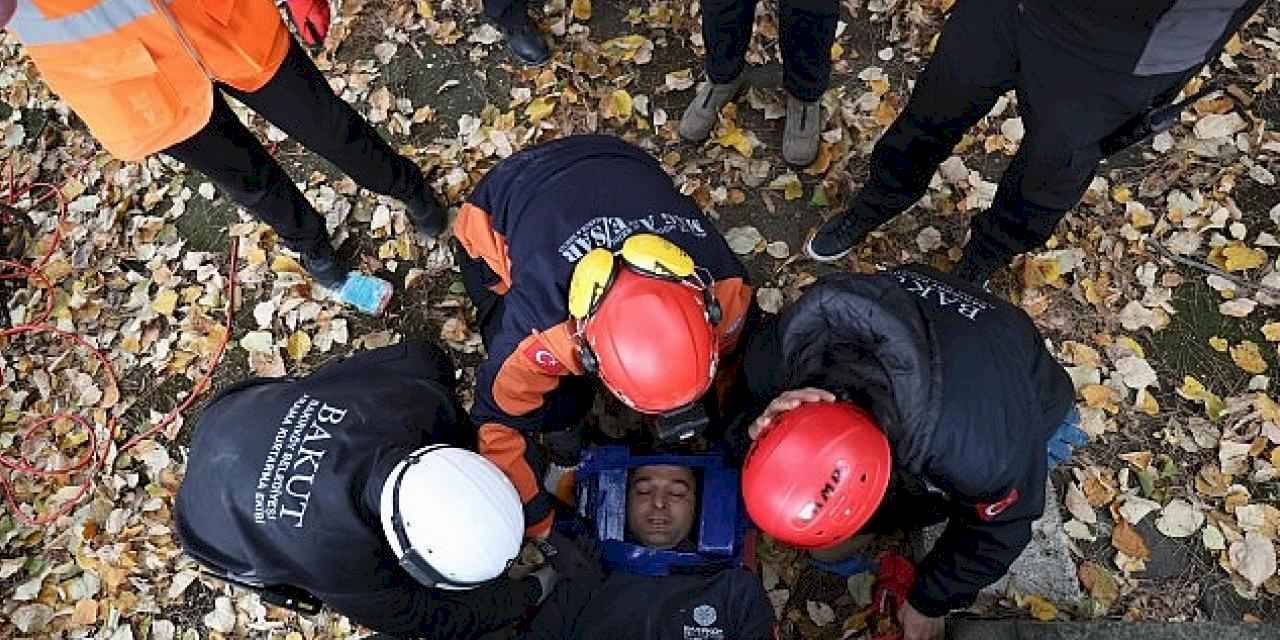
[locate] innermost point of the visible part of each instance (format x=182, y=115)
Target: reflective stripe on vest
x=34, y=29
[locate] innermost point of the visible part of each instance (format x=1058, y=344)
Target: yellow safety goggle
x=646, y=253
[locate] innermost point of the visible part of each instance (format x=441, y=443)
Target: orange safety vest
x=140, y=72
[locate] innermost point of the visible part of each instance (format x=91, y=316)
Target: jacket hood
x=865, y=339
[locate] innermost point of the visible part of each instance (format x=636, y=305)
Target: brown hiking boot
x=701, y=115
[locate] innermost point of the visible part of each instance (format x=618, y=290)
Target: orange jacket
x=140, y=72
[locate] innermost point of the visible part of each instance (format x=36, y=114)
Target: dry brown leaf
x=1127, y=540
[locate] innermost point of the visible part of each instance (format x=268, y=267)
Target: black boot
x=323, y=265
x=426, y=212
x=525, y=42
x=977, y=266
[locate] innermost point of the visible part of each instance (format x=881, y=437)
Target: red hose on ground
x=93, y=460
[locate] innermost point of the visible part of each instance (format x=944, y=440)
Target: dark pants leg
x=300, y=102
x=507, y=13
x=229, y=155
x=1067, y=106
x=975, y=62
x=808, y=27
x=726, y=31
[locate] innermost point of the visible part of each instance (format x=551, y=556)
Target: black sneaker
x=836, y=237
x=426, y=212
x=526, y=43
x=325, y=267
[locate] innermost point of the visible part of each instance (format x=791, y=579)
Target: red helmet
x=817, y=474
x=652, y=342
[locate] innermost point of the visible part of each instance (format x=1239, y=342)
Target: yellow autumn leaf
x=736, y=138
x=1121, y=194
x=789, y=184
x=1132, y=345
x=620, y=104
x=1146, y=403
x=1193, y=390
x=1267, y=408
x=1238, y=257
x=1097, y=396
x=625, y=47
x=1219, y=344
x=426, y=10
x=1271, y=331
x=299, y=345
x=1247, y=357
x=165, y=302
x=1041, y=609
x=285, y=264
x=539, y=109
x=582, y=10
x=837, y=52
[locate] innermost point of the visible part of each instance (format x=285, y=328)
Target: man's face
x=661, y=502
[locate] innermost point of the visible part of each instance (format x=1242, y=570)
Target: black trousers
x=507, y=13
x=1067, y=106
x=807, y=30
x=300, y=102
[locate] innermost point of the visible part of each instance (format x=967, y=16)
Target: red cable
x=92, y=461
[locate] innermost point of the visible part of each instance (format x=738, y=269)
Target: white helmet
x=452, y=518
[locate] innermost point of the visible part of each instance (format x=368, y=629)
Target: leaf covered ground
x=1160, y=293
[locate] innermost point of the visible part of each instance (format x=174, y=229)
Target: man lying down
x=714, y=604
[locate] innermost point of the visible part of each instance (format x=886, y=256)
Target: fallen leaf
x=1237, y=308
x=1179, y=519
x=1219, y=126
x=1135, y=508
x=1239, y=257
x=85, y=613
x=1099, y=582
x=743, y=240
x=778, y=249
x=1128, y=541
x=1271, y=331
x=299, y=345
x=770, y=299
x=1247, y=356
x=929, y=239
x=1254, y=558
x=736, y=139
x=789, y=184
x=1041, y=609
x=860, y=586
x=1078, y=505
x=258, y=341
x=820, y=613
x=582, y=10
x=1213, y=539
x=539, y=109
x=31, y=617
x=620, y=104
x=165, y=302
x=1219, y=344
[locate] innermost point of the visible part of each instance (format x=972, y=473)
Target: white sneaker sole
x=808, y=250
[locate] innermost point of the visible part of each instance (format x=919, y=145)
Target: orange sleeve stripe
x=560, y=341
x=522, y=384
x=505, y=447
x=474, y=230
x=735, y=301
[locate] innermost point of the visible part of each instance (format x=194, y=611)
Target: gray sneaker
x=800, y=139
x=701, y=115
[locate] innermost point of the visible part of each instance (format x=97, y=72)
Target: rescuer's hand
x=786, y=402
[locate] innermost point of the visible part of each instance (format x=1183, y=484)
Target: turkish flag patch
x=989, y=510
x=541, y=357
